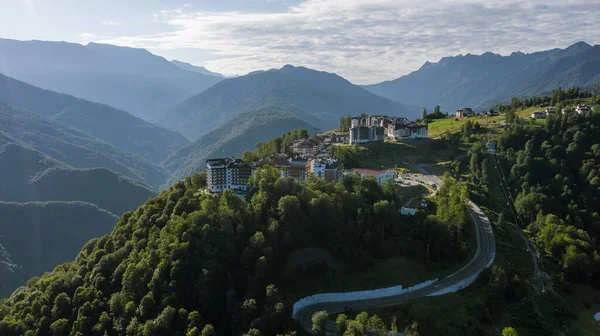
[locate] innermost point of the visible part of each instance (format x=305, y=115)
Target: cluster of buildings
x=550, y=111
x=467, y=112
x=582, y=109
x=311, y=158
x=375, y=128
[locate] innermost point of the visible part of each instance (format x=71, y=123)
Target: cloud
x=85, y=37
x=30, y=7
x=110, y=23
x=371, y=40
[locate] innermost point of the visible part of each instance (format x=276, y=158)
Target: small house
x=538, y=115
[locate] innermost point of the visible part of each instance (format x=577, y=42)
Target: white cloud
x=110, y=23
x=86, y=37
x=371, y=40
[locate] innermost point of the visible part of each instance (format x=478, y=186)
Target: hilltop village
x=312, y=156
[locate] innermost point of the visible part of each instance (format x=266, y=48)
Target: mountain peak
x=427, y=65
x=580, y=44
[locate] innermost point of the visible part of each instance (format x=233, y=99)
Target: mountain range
x=114, y=126
x=130, y=79
x=318, y=98
x=479, y=81
x=73, y=147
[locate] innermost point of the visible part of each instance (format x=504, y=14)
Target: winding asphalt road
x=484, y=257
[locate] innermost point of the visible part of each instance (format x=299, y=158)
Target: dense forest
x=36, y=236
x=27, y=175
x=554, y=174
x=190, y=263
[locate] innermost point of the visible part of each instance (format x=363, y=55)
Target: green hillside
x=73, y=147
x=37, y=236
x=27, y=175
x=187, y=262
x=106, y=123
x=232, y=139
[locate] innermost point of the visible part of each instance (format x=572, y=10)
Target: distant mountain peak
x=489, y=54
x=581, y=44
x=427, y=65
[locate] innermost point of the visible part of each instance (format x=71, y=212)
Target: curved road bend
x=484, y=256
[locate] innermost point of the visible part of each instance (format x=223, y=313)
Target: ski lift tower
x=491, y=146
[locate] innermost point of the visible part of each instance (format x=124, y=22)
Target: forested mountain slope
x=130, y=79
x=73, y=147
x=27, y=175
x=232, y=139
x=190, y=263
x=554, y=171
x=483, y=80
x=38, y=236
x=323, y=98
x=114, y=126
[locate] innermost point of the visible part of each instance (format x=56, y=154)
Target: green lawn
x=451, y=125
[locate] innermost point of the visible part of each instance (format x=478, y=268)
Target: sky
x=365, y=41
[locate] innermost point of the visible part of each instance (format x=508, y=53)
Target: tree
x=319, y=320
x=412, y=330
x=60, y=327
x=62, y=306
x=474, y=165
x=208, y=330
x=342, y=324
x=509, y=331
x=424, y=117
x=345, y=123
x=376, y=326
x=252, y=332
